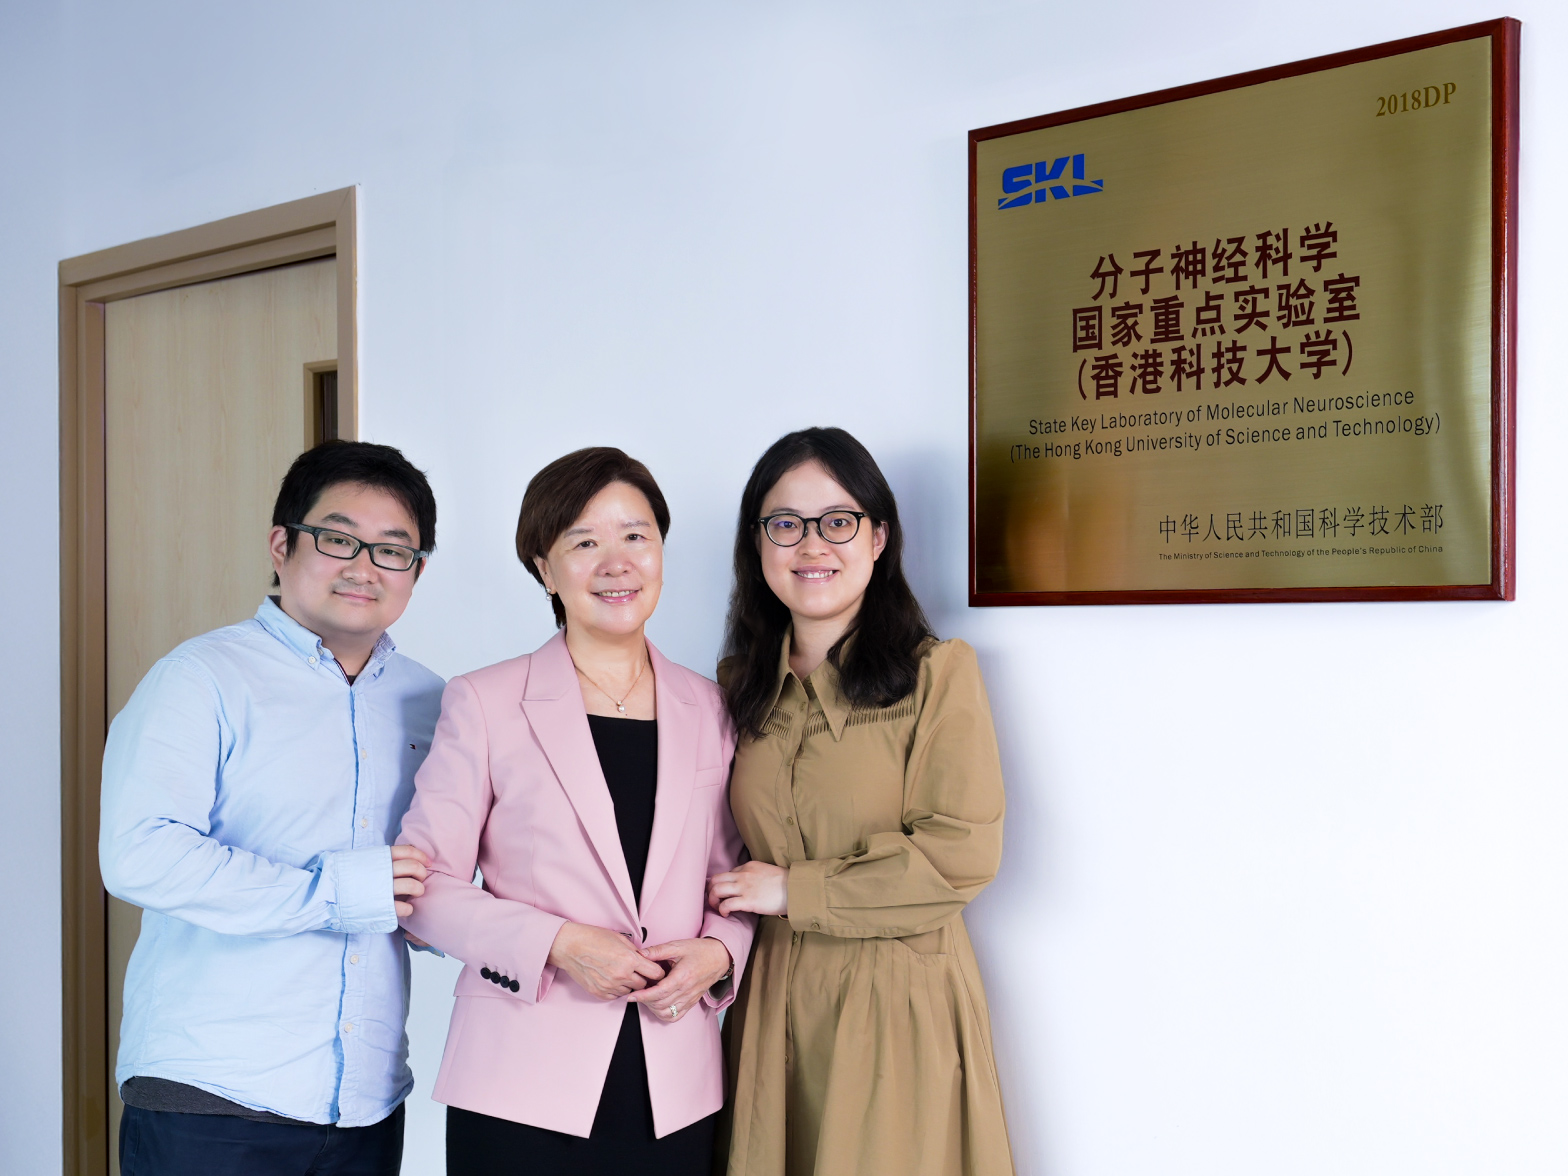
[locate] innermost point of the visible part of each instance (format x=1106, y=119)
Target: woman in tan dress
x=868, y=791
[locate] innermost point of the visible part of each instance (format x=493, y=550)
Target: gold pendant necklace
x=620, y=703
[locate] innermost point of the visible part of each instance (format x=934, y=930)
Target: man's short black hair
x=358, y=463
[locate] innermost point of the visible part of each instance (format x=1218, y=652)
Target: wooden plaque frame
x=1504, y=35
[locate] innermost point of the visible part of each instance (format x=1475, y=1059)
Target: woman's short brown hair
x=558, y=494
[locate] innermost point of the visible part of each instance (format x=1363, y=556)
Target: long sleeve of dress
x=452, y=802
x=907, y=882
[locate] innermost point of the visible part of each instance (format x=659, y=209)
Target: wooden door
x=209, y=395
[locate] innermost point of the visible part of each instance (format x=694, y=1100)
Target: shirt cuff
x=808, y=895
x=361, y=881
x=721, y=993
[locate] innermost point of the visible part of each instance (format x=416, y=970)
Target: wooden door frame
x=301, y=230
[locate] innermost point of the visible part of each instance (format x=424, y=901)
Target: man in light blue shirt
x=251, y=789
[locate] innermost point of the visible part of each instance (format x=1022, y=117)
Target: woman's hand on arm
x=696, y=965
x=410, y=867
x=604, y=963
x=756, y=887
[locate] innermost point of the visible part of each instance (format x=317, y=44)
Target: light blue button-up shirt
x=250, y=793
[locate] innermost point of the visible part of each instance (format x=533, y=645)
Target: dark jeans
x=168, y=1143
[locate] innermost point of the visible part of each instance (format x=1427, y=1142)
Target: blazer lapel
x=677, y=712
x=553, y=702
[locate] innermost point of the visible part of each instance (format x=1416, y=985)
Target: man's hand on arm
x=410, y=867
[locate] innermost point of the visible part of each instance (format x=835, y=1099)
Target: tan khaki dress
x=860, y=1042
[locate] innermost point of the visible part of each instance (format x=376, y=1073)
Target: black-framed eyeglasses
x=391, y=557
x=837, y=526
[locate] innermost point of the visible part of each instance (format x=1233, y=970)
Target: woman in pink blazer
x=588, y=783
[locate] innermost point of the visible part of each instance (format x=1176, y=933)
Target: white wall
x=1284, y=884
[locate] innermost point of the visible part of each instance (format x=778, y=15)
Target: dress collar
x=822, y=683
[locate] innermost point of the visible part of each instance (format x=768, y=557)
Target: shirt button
x=789, y=820
x=347, y=1028
x=364, y=753
x=816, y=926
x=313, y=659
x=353, y=959
x=364, y=822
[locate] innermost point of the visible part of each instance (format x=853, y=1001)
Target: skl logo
x=1024, y=177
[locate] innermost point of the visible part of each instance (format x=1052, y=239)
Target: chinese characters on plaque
x=1171, y=341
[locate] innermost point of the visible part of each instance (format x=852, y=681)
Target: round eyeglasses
x=837, y=526
x=391, y=557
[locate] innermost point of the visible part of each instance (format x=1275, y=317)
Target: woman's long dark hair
x=881, y=666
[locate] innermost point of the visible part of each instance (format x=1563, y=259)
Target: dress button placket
x=797, y=845
x=792, y=837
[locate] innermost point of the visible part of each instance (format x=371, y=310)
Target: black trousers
x=621, y=1142
x=169, y=1143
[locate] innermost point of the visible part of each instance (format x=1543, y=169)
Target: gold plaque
x=1251, y=339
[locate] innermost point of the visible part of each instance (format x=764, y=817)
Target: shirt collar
x=823, y=684
x=308, y=646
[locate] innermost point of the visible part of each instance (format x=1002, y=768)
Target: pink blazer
x=512, y=784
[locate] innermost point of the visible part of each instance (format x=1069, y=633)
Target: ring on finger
x=672, y=1012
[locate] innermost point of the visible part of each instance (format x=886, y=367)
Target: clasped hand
x=670, y=977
